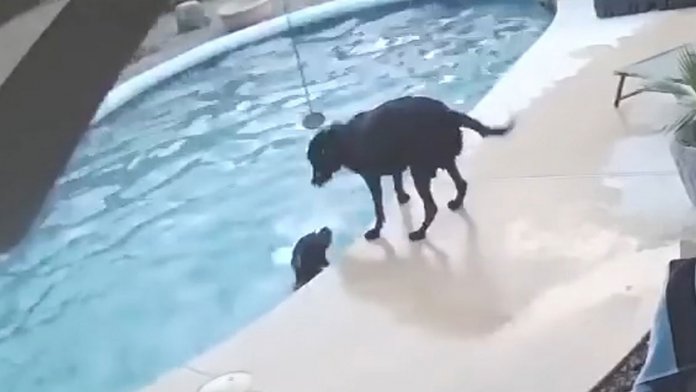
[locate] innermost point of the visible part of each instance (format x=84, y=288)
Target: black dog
x=309, y=256
x=418, y=133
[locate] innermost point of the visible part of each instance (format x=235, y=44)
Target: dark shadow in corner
x=49, y=99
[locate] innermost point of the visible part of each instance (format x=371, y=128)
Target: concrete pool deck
x=546, y=281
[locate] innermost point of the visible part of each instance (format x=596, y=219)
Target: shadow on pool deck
x=422, y=285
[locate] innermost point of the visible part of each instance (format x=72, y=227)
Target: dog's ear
x=325, y=236
x=325, y=137
x=317, y=148
x=318, y=140
x=336, y=128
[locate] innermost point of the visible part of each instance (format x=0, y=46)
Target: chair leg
x=619, y=91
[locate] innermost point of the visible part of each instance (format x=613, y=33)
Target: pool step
x=610, y=8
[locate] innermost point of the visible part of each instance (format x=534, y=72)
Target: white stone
x=236, y=15
x=190, y=15
x=231, y=382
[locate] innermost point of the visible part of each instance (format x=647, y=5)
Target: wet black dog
x=309, y=256
x=418, y=133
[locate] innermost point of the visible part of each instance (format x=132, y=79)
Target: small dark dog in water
x=309, y=256
x=418, y=133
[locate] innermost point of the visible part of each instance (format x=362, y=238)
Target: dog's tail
x=483, y=130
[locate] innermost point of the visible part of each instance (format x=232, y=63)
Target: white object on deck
x=236, y=15
x=190, y=15
x=230, y=382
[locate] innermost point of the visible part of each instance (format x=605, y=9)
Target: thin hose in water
x=312, y=120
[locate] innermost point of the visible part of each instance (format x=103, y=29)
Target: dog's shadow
x=419, y=283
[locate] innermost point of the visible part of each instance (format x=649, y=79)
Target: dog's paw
x=403, y=198
x=417, y=235
x=372, y=234
x=455, y=204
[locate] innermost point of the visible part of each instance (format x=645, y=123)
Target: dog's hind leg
x=300, y=278
x=401, y=194
x=374, y=184
x=422, y=181
x=459, y=183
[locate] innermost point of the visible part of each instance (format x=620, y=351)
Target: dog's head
x=324, y=155
x=325, y=236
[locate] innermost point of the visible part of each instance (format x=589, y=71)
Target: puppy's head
x=325, y=236
x=324, y=155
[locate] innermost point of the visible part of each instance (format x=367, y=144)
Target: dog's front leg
x=374, y=184
x=422, y=180
x=401, y=194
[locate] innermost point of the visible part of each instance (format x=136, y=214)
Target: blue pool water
x=171, y=227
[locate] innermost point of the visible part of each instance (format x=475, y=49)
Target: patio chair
x=662, y=66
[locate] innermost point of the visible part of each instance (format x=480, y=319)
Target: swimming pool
x=172, y=225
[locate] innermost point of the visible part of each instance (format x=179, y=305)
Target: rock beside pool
x=190, y=15
x=239, y=14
